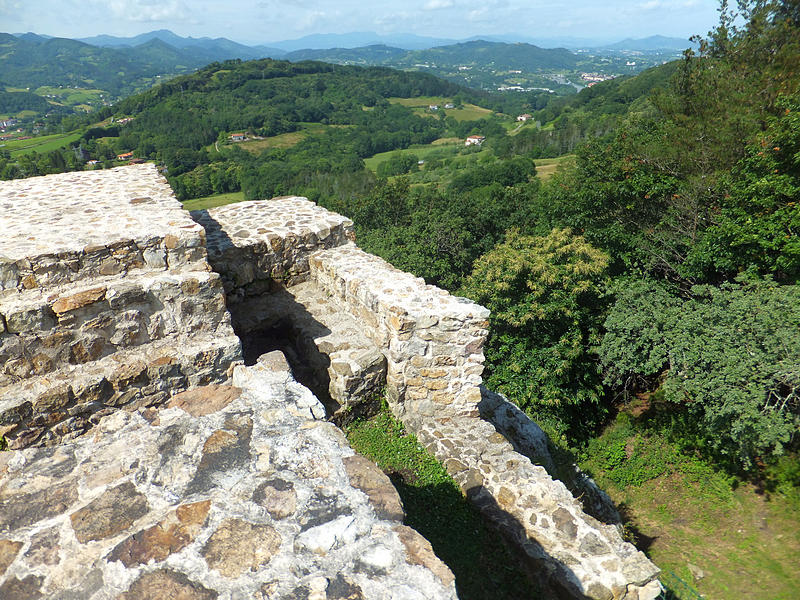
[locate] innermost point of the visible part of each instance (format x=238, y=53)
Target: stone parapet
x=433, y=341
x=571, y=551
x=230, y=492
x=256, y=244
x=70, y=227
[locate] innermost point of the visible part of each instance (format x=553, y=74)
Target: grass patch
x=546, y=167
x=741, y=542
x=213, y=201
x=483, y=567
x=44, y=143
x=421, y=151
x=468, y=112
x=284, y=140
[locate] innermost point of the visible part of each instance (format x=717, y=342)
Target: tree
x=546, y=294
x=729, y=358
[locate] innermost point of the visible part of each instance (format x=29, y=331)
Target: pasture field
x=44, y=143
x=545, y=167
x=421, y=151
x=469, y=112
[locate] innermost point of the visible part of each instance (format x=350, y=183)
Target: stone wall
x=106, y=302
x=229, y=492
x=433, y=345
x=256, y=245
x=433, y=341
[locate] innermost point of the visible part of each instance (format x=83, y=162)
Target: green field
x=44, y=143
x=422, y=151
x=213, y=201
x=710, y=534
x=469, y=112
x=545, y=167
x=284, y=140
x=71, y=96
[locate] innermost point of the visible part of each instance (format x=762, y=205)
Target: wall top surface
x=69, y=212
x=247, y=223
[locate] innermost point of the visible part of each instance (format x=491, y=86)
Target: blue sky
x=262, y=21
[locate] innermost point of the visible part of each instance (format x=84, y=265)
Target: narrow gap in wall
x=282, y=336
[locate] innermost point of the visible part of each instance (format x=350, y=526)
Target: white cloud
x=147, y=10
x=438, y=4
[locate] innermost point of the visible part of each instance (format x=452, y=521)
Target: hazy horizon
x=263, y=21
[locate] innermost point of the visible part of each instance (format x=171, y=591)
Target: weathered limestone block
x=248, y=495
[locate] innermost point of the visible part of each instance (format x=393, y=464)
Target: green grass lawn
x=44, y=143
x=744, y=541
x=545, y=167
x=483, y=566
x=213, y=201
x=421, y=151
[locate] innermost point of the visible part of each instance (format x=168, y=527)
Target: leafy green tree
x=546, y=294
x=729, y=358
x=756, y=225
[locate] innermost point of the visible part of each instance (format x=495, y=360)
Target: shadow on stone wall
x=459, y=530
x=528, y=439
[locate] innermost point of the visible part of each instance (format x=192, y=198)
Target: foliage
x=729, y=356
x=547, y=297
x=756, y=223
x=398, y=164
x=434, y=234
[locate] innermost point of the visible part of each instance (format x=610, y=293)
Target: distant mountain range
x=479, y=52
x=405, y=41
x=124, y=65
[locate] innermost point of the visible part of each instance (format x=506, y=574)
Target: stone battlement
x=125, y=301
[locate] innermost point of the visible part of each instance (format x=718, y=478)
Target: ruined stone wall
x=258, y=245
x=106, y=302
x=433, y=341
x=228, y=492
x=433, y=344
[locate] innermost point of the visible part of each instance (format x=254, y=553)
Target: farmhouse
x=474, y=140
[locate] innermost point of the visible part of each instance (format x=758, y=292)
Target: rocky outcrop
x=106, y=302
x=229, y=492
